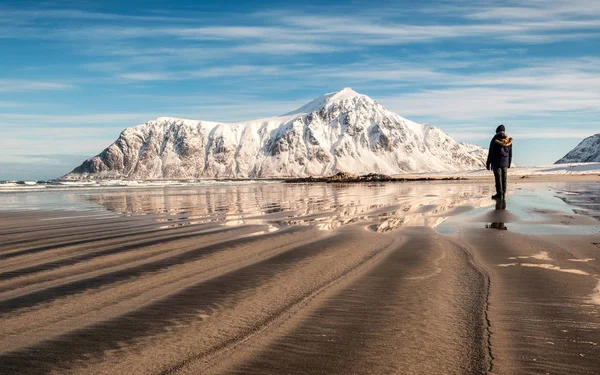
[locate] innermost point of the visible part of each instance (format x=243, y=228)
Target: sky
x=75, y=73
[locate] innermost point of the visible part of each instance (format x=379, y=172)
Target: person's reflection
x=499, y=226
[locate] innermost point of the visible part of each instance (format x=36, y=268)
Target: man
x=499, y=160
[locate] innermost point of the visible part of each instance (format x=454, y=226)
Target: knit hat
x=500, y=128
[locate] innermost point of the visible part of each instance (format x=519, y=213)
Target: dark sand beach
x=273, y=278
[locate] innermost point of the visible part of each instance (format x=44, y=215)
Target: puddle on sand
x=529, y=211
x=551, y=267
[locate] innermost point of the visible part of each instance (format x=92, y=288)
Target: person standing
x=499, y=160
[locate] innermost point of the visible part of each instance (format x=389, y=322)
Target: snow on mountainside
x=337, y=132
x=586, y=152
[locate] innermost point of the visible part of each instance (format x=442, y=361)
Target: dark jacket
x=500, y=153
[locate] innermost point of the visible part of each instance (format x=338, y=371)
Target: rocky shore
x=345, y=177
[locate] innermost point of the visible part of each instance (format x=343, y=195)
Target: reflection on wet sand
x=296, y=279
x=500, y=226
x=584, y=196
x=325, y=206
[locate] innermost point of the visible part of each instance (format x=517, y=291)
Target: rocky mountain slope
x=585, y=152
x=337, y=132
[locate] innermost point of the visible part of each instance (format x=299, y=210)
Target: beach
x=274, y=278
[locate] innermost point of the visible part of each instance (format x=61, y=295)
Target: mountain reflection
x=384, y=207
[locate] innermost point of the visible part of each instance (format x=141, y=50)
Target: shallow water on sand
x=276, y=278
x=532, y=208
x=327, y=206
x=538, y=209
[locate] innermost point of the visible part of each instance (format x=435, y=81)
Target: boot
x=495, y=196
x=503, y=201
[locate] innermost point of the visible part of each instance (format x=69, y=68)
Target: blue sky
x=75, y=73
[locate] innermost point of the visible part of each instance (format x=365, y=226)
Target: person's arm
x=488, y=163
x=509, y=156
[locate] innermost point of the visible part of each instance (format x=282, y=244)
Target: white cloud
x=482, y=102
x=44, y=141
x=537, y=87
x=5, y=104
x=210, y=72
x=25, y=16
x=40, y=120
x=148, y=76
x=17, y=85
x=539, y=22
x=541, y=38
x=546, y=9
x=244, y=111
x=519, y=134
x=289, y=48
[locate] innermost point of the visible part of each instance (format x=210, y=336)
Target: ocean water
x=15, y=186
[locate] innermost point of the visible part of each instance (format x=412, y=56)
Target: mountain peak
x=346, y=92
x=327, y=100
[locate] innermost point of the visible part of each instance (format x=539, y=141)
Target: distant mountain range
x=585, y=152
x=338, y=132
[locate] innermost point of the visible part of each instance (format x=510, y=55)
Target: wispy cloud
x=6, y=104
x=212, y=72
x=538, y=22
x=486, y=135
x=234, y=108
x=287, y=48
x=34, y=121
x=481, y=102
x=536, y=87
x=150, y=76
x=17, y=15
x=43, y=144
x=16, y=85
x=538, y=9
x=52, y=159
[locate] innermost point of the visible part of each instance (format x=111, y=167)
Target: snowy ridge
x=342, y=131
x=587, y=151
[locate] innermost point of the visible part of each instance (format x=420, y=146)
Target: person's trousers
x=500, y=176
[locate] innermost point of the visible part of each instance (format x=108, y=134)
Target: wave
x=23, y=186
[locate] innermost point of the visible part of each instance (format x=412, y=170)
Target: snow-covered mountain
x=586, y=152
x=338, y=132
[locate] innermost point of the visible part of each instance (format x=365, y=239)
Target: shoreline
x=56, y=185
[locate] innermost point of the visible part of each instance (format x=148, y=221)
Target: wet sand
x=419, y=278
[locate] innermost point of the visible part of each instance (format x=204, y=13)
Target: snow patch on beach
x=596, y=294
x=583, y=260
x=546, y=266
x=555, y=268
x=542, y=255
